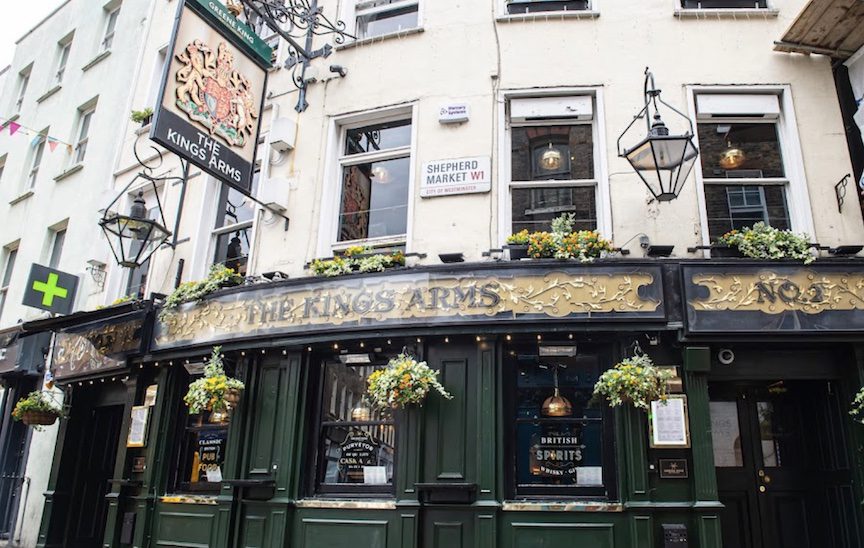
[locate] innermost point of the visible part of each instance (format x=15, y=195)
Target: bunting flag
x=38, y=136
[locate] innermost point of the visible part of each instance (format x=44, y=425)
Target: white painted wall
x=77, y=197
x=855, y=64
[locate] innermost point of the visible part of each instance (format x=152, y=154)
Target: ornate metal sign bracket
x=305, y=20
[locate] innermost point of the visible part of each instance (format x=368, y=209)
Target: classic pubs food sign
x=209, y=110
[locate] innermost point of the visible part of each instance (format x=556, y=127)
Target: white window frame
x=770, y=10
x=85, y=122
x=62, y=60
x=23, y=83
x=156, y=78
x=592, y=11
x=328, y=239
x=797, y=197
x=8, y=261
x=252, y=223
x=351, y=12
x=55, y=231
x=2, y=167
x=601, y=160
x=112, y=15
x=36, y=158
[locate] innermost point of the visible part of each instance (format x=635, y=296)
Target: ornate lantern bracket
x=304, y=20
x=662, y=160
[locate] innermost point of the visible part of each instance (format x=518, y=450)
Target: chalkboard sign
x=359, y=451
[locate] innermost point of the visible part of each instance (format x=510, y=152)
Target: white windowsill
x=21, y=198
x=95, y=61
x=49, y=93
x=142, y=130
x=381, y=38
x=71, y=170
x=548, y=16
x=346, y=504
x=732, y=13
x=372, y=243
x=562, y=506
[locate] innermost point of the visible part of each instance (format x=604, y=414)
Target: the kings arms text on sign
x=213, y=88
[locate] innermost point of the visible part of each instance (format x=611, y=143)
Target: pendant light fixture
x=557, y=405
x=551, y=159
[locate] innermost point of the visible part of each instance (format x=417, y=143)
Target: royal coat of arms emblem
x=213, y=93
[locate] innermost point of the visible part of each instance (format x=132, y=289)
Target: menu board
x=358, y=462
x=669, y=424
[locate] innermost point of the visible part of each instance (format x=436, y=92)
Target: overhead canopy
x=827, y=27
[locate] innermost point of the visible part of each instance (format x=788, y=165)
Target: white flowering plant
x=219, y=277
x=215, y=391
x=635, y=381
x=765, y=242
x=356, y=259
x=856, y=411
x=404, y=381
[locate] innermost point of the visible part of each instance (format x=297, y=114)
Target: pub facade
x=432, y=135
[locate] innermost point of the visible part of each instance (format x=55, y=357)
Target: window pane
x=378, y=137
x=232, y=249
x=735, y=151
x=381, y=23
x=10, y=267
x=202, y=455
x=563, y=448
x=57, y=248
x=535, y=208
x=374, y=200
x=85, y=125
x=357, y=441
x=552, y=152
x=235, y=207
x=533, y=6
x=723, y=4
x=726, y=434
x=735, y=207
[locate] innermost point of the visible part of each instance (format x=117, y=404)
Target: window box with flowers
x=357, y=259
x=562, y=243
x=763, y=242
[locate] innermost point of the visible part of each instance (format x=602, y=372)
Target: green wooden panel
x=709, y=531
x=452, y=416
x=487, y=532
x=635, y=453
x=335, y=533
x=254, y=531
x=641, y=532
x=558, y=535
x=266, y=442
x=486, y=412
x=186, y=529
x=704, y=473
x=447, y=534
x=409, y=530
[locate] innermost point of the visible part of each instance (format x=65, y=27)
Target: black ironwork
x=840, y=191
x=134, y=237
x=662, y=160
x=298, y=22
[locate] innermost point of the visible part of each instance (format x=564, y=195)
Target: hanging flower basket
x=856, y=411
x=215, y=391
x=37, y=409
x=634, y=381
x=404, y=382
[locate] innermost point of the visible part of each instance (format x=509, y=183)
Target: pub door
x=783, y=466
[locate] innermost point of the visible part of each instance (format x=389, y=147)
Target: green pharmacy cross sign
x=50, y=290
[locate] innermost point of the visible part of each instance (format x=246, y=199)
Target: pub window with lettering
x=202, y=440
x=561, y=443
x=355, y=441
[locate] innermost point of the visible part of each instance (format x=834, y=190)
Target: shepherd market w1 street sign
x=50, y=290
x=212, y=96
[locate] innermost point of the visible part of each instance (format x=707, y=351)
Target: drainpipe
x=22, y=509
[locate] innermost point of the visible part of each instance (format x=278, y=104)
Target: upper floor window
x=36, y=158
x=2, y=167
x=62, y=60
x=380, y=17
x=552, y=162
x=233, y=230
x=375, y=169
x=515, y=7
x=560, y=445
x=110, y=26
x=743, y=166
x=86, y=116
x=356, y=442
x=58, y=239
x=724, y=4
x=23, y=82
x=11, y=253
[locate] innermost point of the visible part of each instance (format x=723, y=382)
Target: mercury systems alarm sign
x=213, y=92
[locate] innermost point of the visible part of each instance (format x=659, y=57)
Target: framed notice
x=138, y=426
x=669, y=426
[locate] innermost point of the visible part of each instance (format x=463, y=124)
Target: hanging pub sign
x=213, y=87
x=51, y=290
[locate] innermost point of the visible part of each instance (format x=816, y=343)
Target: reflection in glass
x=758, y=146
x=381, y=23
x=374, y=200
x=737, y=206
x=535, y=208
x=552, y=153
x=726, y=434
x=378, y=137
x=357, y=440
